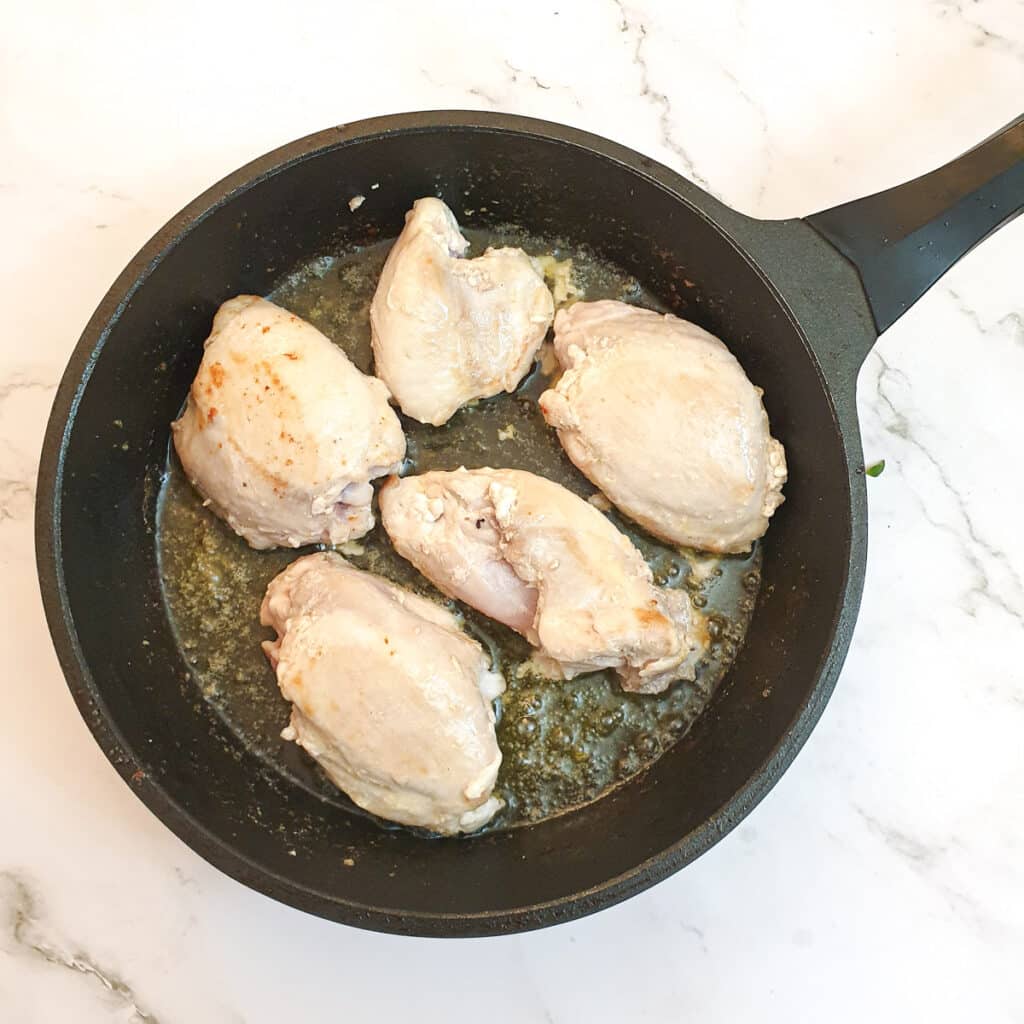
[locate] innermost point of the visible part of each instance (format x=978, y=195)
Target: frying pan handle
x=903, y=240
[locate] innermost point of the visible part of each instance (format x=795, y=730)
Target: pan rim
x=88, y=697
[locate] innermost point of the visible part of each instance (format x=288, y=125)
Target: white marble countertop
x=883, y=878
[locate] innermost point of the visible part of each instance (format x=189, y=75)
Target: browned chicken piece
x=534, y=556
x=388, y=694
x=281, y=434
x=447, y=330
x=660, y=415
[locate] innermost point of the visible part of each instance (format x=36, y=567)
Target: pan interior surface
x=138, y=691
x=564, y=743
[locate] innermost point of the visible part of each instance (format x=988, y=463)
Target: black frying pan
x=800, y=302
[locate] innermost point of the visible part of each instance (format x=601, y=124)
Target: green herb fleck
x=876, y=468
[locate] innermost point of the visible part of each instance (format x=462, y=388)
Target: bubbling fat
x=564, y=743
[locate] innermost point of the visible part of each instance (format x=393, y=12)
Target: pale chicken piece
x=281, y=434
x=660, y=415
x=531, y=554
x=388, y=694
x=447, y=330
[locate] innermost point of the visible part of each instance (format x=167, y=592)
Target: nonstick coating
x=106, y=447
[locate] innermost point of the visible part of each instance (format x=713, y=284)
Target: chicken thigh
x=534, y=556
x=281, y=434
x=660, y=415
x=388, y=694
x=447, y=330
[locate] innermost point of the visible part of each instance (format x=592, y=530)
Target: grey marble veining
x=28, y=934
x=636, y=31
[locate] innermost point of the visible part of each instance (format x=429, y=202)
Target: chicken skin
x=281, y=434
x=388, y=694
x=447, y=330
x=534, y=556
x=661, y=417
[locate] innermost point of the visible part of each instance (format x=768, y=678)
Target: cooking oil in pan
x=564, y=743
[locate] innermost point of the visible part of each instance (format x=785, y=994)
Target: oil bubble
x=526, y=727
x=647, y=745
x=531, y=702
x=609, y=721
x=572, y=700
x=560, y=739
